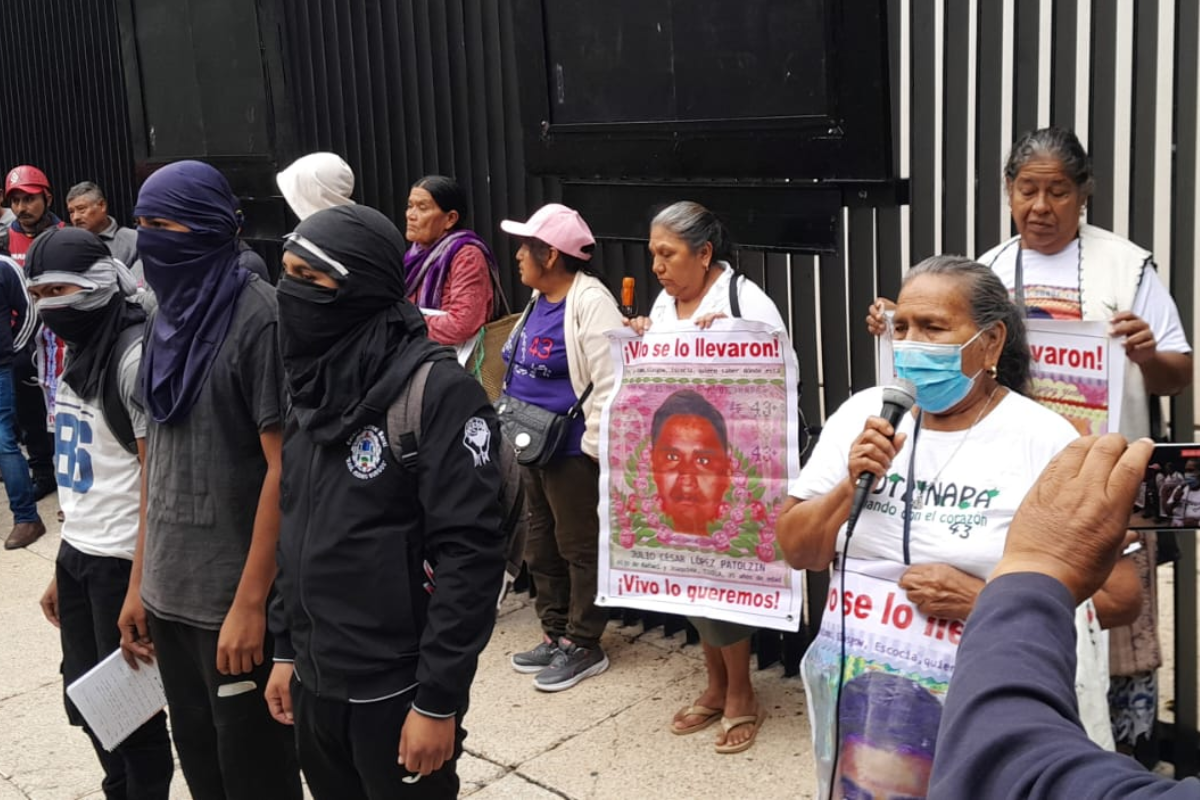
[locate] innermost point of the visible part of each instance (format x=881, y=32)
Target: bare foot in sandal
x=737, y=707
x=685, y=722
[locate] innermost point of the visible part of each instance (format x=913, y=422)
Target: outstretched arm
x=1010, y=728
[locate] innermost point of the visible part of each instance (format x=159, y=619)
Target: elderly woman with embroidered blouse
x=949, y=478
x=451, y=272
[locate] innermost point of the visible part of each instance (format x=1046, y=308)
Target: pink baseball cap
x=558, y=226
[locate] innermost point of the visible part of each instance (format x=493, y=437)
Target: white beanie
x=315, y=182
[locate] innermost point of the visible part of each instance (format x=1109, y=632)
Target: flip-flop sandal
x=729, y=723
x=710, y=715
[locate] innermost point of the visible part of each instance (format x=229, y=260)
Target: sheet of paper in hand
x=116, y=700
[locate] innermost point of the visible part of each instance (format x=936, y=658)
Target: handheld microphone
x=898, y=399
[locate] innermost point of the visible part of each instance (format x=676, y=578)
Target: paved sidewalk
x=606, y=738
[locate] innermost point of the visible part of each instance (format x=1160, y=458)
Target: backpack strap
x=404, y=414
x=111, y=404
x=404, y=417
x=735, y=306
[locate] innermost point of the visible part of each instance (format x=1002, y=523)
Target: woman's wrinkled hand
x=877, y=321
x=874, y=449
x=638, y=325
x=1140, y=344
x=940, y=590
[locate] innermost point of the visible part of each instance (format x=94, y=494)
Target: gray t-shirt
x=206, y=472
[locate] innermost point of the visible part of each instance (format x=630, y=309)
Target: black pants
x=31, y=414
x=562, y=547
x=349, y=750
x=229, y=746
x=91, y=590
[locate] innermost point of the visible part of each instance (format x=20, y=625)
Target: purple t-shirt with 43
x=540, y=374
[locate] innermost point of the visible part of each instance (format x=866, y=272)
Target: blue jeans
x=13, y=465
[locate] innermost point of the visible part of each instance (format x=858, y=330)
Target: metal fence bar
x=989, y=135
x=1065, y=42
x=1025, y=65
x=1103, y=110
x=922, y=146
x=956, y=70
x=1145, y=123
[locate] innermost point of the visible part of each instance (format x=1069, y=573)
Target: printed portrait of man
x=889, y=727
x=690, y=461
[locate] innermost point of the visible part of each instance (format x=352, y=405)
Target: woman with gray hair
x=948, y=480
x=693, y=257
x=1059, y=267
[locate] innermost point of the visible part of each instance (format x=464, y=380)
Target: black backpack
x=111, y=405
x=404, y=433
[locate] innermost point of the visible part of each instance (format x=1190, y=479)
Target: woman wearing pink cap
x=558, y=354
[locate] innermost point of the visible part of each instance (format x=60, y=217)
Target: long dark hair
x=989, y=303
x=448, y=195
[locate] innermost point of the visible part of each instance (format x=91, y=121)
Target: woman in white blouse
x=692, y=260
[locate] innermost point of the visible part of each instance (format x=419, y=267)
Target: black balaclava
x=91, y=320
x=347, y=352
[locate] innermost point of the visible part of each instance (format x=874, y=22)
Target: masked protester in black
x=85, y=298
x=382, y=672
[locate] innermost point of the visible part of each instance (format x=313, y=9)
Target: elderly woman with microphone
x=944, y=482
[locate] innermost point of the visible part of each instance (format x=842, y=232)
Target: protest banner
x=897, y=668
x=699, y=441
x=1077, y=370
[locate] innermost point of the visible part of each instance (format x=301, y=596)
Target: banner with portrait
x=699, y=441
x=1079, y=371
x=1076, y=369
x=897, y=668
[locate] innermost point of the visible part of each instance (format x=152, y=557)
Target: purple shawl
x=426, y=269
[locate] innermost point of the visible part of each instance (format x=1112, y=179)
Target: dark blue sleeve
x=1011, y=728
x=22, y=319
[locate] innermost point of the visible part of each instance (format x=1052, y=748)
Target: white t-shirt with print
x=99, y=481
x=970, y=484
x=973, y=481
x=755, y=305
x=1052, y=286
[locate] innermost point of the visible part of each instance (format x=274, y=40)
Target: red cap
x=25, y=178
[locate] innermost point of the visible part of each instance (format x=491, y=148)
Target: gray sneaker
x=537, y=659
x=570, y=665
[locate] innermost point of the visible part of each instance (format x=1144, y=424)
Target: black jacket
x=356, y=608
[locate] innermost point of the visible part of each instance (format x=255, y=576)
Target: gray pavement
x=606, y=738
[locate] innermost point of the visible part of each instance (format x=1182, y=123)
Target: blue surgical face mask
x=1193, y=480
x=936, y=371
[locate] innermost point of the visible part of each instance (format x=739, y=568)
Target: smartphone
x=1169, y=495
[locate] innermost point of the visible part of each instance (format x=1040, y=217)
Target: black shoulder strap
x=515, y=338
x=735, y=306
x=111, y=404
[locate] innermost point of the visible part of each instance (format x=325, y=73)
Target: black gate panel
x=62, y=98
